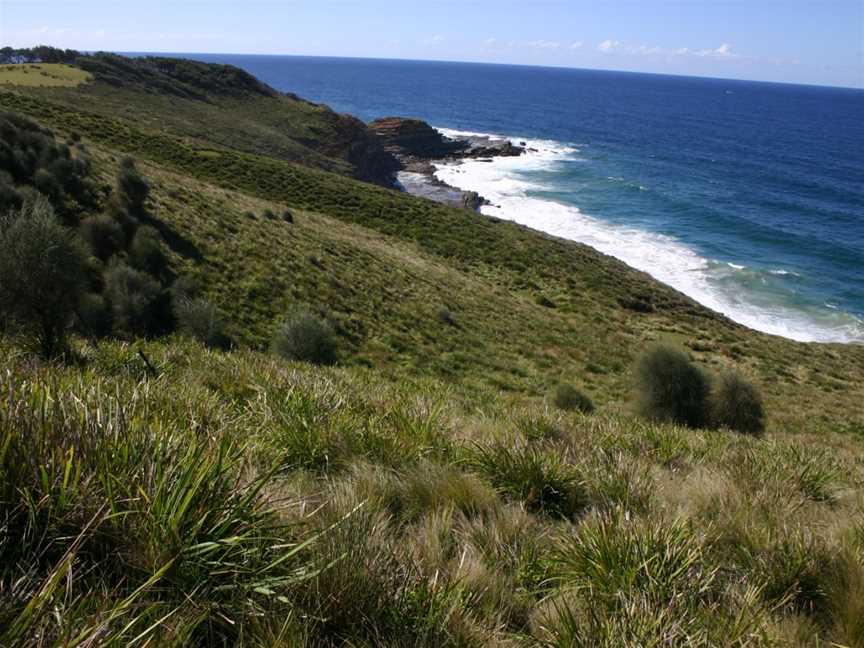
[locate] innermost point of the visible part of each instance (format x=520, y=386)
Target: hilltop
x=431, y=465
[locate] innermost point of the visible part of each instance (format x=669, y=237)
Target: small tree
x=305, y=337
x=41, y=274
x=568, y=398
x=737, y=404
x=671, y=387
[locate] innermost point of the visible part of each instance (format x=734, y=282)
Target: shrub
x=446, y=317
x=145, y=252
x=139, y=306
x=737, y=404
x=568, y=398
x=198, y=318
x=671, y=388
x=41, y=274
x=287, y=216
x=134, y=189
x=104, y=234
x=305, y=337
x=94, y=316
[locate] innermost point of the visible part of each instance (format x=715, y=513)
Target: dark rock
x=472, y=201
x=414, y=138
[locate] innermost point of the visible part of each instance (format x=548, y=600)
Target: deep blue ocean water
x=747, y=196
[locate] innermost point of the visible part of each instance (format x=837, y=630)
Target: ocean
x=747, y=196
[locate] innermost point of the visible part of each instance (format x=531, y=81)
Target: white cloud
x=577, y=45
x=722, y=52
x=490, y=42
x=437, y=39
x=543, y=44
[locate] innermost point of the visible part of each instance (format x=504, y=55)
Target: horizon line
x=493, y=63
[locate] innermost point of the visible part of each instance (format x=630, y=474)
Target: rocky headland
x=418, y=147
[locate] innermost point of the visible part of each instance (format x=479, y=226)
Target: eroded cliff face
x=413, y=138
x=352, y=141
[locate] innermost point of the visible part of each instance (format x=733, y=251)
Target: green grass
x=42, y=75
x=382, y=265
x=185, y=508
x=426, y=491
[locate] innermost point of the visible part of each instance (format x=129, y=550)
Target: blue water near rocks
x=747, y=196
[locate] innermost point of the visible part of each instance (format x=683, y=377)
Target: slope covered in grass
x=42, y=75
x=427, y=491
x=525, y=310
x=225, y=106
x=237, y=500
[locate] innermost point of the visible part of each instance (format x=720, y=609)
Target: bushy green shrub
x=41, y=274
x=198, y=318
x=737, y=404
x=671, y=388
x=568, y=398
x=93, y=315
x=134, y=189
x=307, y=338
x=104, y=234
x=145, y=252
x=139, y=306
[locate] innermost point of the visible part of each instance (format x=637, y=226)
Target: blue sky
x=818, y=41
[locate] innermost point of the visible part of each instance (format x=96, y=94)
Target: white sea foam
x=513, y=197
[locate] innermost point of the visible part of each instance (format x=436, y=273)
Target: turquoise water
x=747, y=196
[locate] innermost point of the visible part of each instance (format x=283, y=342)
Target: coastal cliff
x=418, y=146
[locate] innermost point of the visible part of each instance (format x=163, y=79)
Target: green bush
x=671, y=388
x=104, y=234
x=134, y=189
x=41, y=274
x=737, y=404
x=568, y=398
x=306, y=338
x=145, y=252
x=94, y=316
x=198, y=318
x=139, y=306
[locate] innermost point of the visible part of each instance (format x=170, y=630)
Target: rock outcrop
x=416, y=145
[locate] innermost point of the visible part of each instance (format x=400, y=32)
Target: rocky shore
x=418, y=147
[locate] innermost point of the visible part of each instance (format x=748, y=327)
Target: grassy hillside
x=228, y=107
x=529, y=309
x=238, y=500
x=43, y=75
x=426, y=491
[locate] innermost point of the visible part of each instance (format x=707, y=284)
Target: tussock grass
x=239, y=499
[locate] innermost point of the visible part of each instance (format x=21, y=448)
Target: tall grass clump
x=119, y=532
x=626, y=582
x=539, y=478
x=570, y=399
x=737, y=404
x=306, y=338
x=671, y=388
